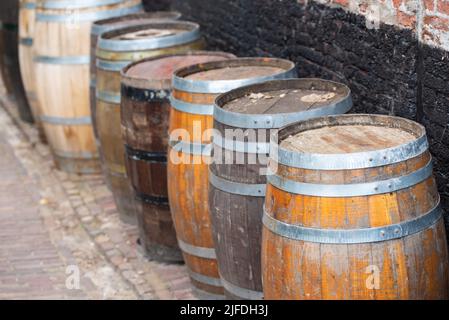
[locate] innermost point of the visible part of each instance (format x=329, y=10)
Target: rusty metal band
x=198, y=149
x=216, y=282
x=353, y=236
x=354, y=189
x=206, y=253
x=85, y=17
x=144, y=95
x=75, y=155
x=222, y=86
x=242, y=293
x=109, y=97
x=347, y=161
x=141, y=155
x=192, y=108
x=69, y=60
x=151, y=199
x=27, y=42
x=244, y=189
x=80, y=121
x=28, y=5
x=111, y=65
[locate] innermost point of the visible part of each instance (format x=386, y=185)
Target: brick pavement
x=50, y=220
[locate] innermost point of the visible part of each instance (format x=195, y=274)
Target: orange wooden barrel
x=145, y=110
x=243, y=119
x=116, y=49
x=191, y=121
x=352, y=212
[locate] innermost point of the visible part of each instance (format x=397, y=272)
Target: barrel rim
x=277, y=120
x=76, y=4
x=191, y=34
x=348, y=161
x=87, y=16
x=100, y=26
x=166, y=84
x=222, y=86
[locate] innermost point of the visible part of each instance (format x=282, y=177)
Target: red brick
x=343, y=3
x=443, y=6
x=429, y=5
x=437, y=23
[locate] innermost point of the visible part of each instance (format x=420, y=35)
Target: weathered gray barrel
x=102, y=26
x=243, y=120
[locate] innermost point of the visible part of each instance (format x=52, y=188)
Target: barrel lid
x=348, y=142
x=149, y=36
x=131, y=20
x=223, y=76
x=156, y=73
x=276, y=103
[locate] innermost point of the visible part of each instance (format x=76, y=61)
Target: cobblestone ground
x=51, y=220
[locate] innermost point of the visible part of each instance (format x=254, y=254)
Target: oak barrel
x=27, y=15
x=62, y=58
x=352, y=212
x=9, y=57
x=243, y=120
x=116, y=49
x=110, y=24
x=191, y=121
x=145, y=109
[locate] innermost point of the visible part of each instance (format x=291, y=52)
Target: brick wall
x=392, y=53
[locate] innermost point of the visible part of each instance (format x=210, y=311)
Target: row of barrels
x=249, y=175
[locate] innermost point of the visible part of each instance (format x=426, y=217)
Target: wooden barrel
x=9, y=57
x=352, y=212
x=191, y=120
x=110, y=24
x=243, y=119
x=145, y=109
x=116, y=49
x=62, y=58
x=27, y=13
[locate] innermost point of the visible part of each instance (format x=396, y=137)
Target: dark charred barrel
x=195, y=89
x=115, y=23
x=244, y=119
x=116, y=49
x=145, y=110
x=352, y=211
x=9, y=57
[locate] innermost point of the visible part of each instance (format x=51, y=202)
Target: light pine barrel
x=62, y=58
x=116, y=49
x=110, y=24
x=353, y=212
x=145, y=110
x=9, y=57
x=243, y=120
x=27, y=15
x=191, y=120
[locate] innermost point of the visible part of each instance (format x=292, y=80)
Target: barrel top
x=222, y=76
x=149, y=36
x=132, y=19
x=153, y=72
x=347, y=139
x=349, y=142
x=276, y=103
